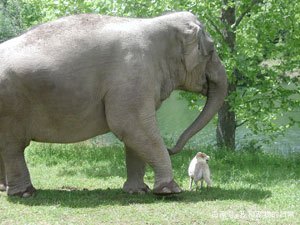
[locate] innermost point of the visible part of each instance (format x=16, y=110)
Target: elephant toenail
x=26, y=195
x=166, y=190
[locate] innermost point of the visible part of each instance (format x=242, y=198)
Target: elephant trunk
x=217, y=91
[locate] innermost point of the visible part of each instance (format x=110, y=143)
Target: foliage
x=266, y=90
x=266, y=51
x=266, y=56
x=10, y=22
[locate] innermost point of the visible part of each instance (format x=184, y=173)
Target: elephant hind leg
x=17, y=175
x=135, y=174
x=2, y=175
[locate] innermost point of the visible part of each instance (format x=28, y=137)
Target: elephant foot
x=167, y=189
x=2, y=187
x=133, y=188
x=29, y=192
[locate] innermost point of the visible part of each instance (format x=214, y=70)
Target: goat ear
x=200, y=155
x=190, y=46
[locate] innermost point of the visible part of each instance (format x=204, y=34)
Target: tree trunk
x=226, y=124
x=226, y=117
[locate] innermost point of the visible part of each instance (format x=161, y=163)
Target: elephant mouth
x=204, y=90
x=216, y=92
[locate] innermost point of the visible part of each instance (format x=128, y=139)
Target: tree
x=259, y=44
x=257, y=94
x=10, y=23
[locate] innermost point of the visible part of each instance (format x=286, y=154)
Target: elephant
x=85, y=75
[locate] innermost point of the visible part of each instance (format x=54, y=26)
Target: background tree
x=258, y=41
x=258, y=33
x=259, y=44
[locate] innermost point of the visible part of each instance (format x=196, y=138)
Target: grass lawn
x=81, y=184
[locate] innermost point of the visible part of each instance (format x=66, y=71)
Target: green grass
x=81, y=184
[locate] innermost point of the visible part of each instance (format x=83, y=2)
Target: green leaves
x=262, y=62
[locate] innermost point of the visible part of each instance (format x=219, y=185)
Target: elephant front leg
x=2, y=175
x=135, y=174
x=130, y=114
x=17, y=175
x=152, y=151
x=142, y=137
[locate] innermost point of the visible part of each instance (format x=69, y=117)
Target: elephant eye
x=199, y=42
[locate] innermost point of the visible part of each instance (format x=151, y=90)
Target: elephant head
x=205, y=75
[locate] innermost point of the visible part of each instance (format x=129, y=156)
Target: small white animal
x=199, y=170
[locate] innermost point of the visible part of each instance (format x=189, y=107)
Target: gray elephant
x=85, y=75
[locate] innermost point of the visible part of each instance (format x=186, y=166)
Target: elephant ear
x=206, y=44
x=197, y=44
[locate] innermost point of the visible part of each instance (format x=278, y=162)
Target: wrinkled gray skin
x=85, y=75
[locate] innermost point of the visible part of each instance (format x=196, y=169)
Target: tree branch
x=241, y=124
x=248, y=9
x=216, y=28
x=244, y=92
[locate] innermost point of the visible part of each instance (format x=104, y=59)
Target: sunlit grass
x=81, y=184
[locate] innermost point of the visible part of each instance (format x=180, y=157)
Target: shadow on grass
x=92, y=198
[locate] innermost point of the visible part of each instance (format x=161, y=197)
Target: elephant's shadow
x=92, y=198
